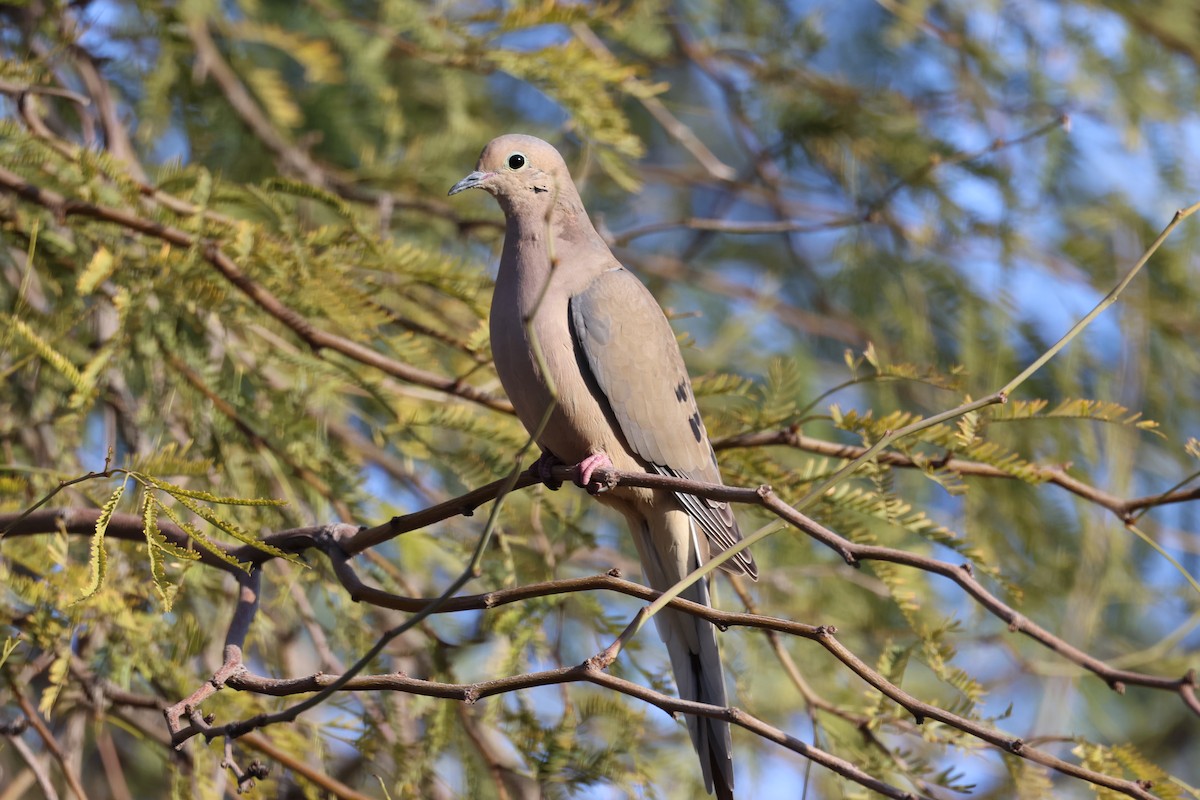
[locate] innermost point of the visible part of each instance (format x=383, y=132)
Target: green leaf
x=233, y=530
x=171, y=459
x=10, y=644
x=158, y=545
x=99, y=558
x=208, y=497
x=47, y=352
x=275, y=95
x=321, y=64
x=1032, y=781
x=57, y=675
x=200, y=540
x=99, y=268
x=1142, y=769
x=1098, y=410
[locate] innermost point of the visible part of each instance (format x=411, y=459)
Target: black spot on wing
x=622, y=336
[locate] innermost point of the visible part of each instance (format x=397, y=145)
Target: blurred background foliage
x=856, y=212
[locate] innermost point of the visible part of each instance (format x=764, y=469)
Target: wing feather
x=628, y=346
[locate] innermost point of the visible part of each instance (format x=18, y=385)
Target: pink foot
x=585, y=468
x=543, y=467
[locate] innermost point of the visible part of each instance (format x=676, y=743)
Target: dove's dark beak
x=473, y=181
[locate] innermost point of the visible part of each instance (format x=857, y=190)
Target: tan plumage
x=623, y=391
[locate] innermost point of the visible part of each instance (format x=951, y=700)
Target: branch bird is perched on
x=567, y=318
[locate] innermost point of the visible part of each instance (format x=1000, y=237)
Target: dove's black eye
x=516, y=161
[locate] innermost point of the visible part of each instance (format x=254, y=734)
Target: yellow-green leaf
x=202, y=541
x=98, y=270
x=47, y=352
x=159, y=544
x=57, y=675
x=10, y=644
x=208, y=497
x=98, y=558
x=275, y=95
x=209, y=516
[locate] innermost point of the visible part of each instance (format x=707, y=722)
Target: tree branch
x=1125, y=510
x=587, y=672
x=349, y=540
x=47, y=737
x=233, y=671
x=591, y=671
x=209, y=60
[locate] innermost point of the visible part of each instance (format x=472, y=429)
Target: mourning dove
x=597, y=338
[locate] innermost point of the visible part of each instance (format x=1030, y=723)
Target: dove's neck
x=530, y=216
x=536, y=243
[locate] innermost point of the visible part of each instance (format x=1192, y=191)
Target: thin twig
x=233, y=672
x=327, y=782
x=210, y=62
x=18, y=89
x=47, y=737
x=1108, y=300
x=681, y=133
x=888, y=437
x=592, y=671
x=341, y=539
x=1124, y=509
x=585, y=672
x=35, y=767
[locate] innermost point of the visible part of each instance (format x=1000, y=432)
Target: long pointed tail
x=669, y=550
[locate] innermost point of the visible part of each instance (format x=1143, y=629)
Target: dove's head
x=526, y=175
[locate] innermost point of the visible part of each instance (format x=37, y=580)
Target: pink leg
x=585, y=468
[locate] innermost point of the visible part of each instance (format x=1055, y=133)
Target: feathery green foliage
x=936, y=228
